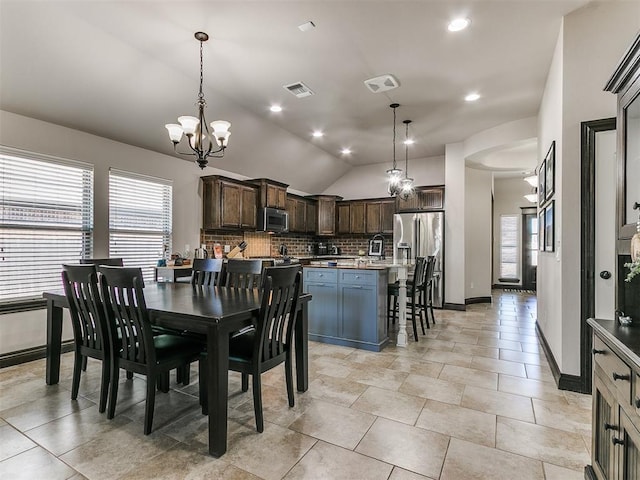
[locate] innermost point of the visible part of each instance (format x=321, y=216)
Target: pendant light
x=200, y=139
x=407, y=189
x=394, y=174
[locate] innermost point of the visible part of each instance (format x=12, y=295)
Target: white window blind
x=139, y=220
x=46, y=220
x=509, y=246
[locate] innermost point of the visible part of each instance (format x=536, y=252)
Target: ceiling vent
x=382, y=83
x=299, y=89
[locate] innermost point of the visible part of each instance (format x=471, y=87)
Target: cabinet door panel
x=357, y=217
x=300, y=215
x=604, y=426
x=386, y=216
x=630, y=458
x=373, y=217
x=343, y=212
x=357, y=309
x=249, y=211
x=326, y=217
x=323, y=318
x=311, y=217
x=282, y=198
x=230, y=205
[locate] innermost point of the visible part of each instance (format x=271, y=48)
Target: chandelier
x=200, y=138
x=394, y=173
x=407, y=188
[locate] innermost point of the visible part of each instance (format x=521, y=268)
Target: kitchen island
x=350, y=303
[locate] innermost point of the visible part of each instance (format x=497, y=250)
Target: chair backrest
x=126, y=313
x=87, y=314
x=429, y=269
x=206, y=271
x=243, y=273
x=114, y=262
x=276, y=321
x=419, y=272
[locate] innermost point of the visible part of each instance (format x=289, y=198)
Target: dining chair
x=134, y=347
x=414, y=297
x=270, y=343
x=427, y=293
x=206, y=271
x=114, y=262
x=243, y=273
x=90, y=338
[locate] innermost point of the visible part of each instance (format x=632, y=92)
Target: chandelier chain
x=394, y=137
x=201, y=95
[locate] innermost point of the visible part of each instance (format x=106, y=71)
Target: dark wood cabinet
x=297, y=209
x=271, y=194
x=387, y=210
x=326, y=219
x=426, y=198
x=228, y=203
x=343, y=212
x=357, y=217
x=311, y=217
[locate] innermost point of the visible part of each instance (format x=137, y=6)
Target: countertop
x=625, y=338
x=353, y=265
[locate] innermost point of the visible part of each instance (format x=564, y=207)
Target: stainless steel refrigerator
x=421, y=235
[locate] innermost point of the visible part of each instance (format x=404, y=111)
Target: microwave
x=273, y=220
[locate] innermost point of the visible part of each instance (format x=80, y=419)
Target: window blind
x=509, y=246
x=139, y=219
x=46, y=220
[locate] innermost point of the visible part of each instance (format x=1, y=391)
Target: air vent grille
x=299, y=89
x=382, y=83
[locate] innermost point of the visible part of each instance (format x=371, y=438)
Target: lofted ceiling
x=122, y=69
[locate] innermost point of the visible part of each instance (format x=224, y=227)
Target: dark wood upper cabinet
x=311, y=217
x=373, y=217
x=326, y=224
x=625, y=83
x=357, y=217
x=387, y=209
x=228, y=203
x=343, y=212
x=426, y=198
x=272, y=194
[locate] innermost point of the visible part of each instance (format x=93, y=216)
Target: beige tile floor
x=473, y=399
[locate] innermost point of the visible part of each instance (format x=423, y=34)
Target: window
x=46, y=220
x=509, y=246
x=139, y=219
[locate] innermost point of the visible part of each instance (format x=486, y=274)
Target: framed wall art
x=549, y=227
x=550, y=170
x=541, y=184
x=541, y=230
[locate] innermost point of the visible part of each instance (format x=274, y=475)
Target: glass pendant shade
x=221, y=131
x=175, y=132
x=532, y=197
x=189, y=124
x=406, y=188
x=532, y=180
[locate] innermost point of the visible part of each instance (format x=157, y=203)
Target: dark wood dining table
x=213, y=311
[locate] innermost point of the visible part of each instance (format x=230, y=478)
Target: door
x=605, y=224
x=529, y=250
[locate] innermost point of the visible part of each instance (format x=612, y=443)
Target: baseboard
x=454, y=306
x=589, y=473
x=30, y=354
x=563, y=381
x=469, y=301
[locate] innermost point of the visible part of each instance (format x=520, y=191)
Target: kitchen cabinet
x=297, y=209
x=350, y=308
x=228, y=203
x=365, y=216
x=343, y=212
x=326, y=219
x=271, y=194
x=616, y=401
x=426, y=198
x=311, y=217
x=380, y=216
x=357, y=217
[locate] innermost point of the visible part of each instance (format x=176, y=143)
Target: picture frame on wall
x=550, y=170
x=541, y=230
x=549, y=227
x=541, y=184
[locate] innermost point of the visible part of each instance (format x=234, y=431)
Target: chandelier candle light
x=200, y=141
x=407, y=188
x=394, y=174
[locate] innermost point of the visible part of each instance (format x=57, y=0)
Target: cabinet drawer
x=635, y=399
x=326, y=275
x=358, y=277
x=614, y=368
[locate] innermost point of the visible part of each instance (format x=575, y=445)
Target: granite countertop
x=625, y=337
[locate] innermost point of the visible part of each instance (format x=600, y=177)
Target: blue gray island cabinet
x=348, y=307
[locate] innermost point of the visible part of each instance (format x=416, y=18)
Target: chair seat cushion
x=241, y=346
x=171, y=346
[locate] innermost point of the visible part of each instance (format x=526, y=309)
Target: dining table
x=215, y=312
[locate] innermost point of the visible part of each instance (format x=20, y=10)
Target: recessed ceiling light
x=458, y=24
x=318, y=134
x=275, y=108
x=346, y=151
x=409, y=141
x=472, y=97
x=306, y=26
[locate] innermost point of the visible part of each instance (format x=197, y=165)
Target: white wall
x=508, y=198
x=592, y=41
x=454, y=224
x=477, y=233
x=370, y=181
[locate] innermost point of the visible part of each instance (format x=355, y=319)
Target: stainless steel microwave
x=273, y=220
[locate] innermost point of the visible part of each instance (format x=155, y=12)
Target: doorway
x=529, y=248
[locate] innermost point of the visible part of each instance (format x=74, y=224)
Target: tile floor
x=473, y=399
